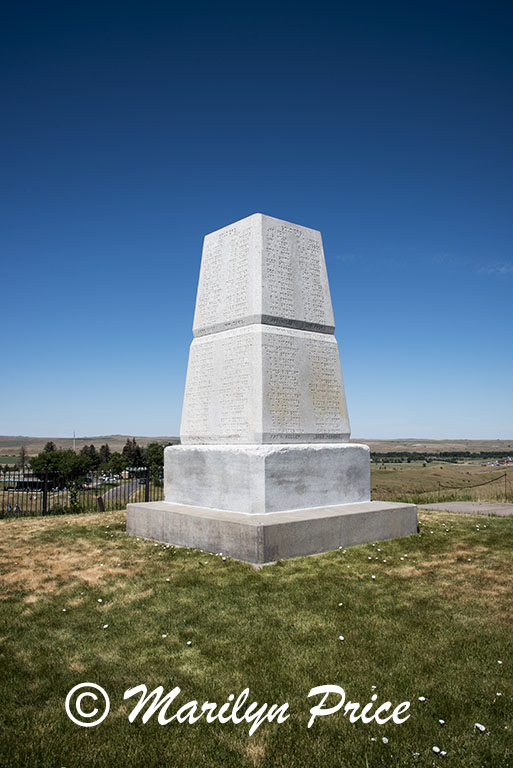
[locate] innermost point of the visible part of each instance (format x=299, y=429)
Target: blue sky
x=129, y=131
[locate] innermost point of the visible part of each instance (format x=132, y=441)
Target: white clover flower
x=164, y=635
x=422, y=698
x=341, y=637
x=384, y=740
x=189, y=642
x=480, y=727
x=436, y=749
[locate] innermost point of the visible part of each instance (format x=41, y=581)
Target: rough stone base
x=258, y=479
x=260, y=539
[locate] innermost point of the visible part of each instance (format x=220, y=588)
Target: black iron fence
x=25, y=493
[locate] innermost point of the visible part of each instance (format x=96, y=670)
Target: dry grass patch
x=256, y=749
x=49, y=565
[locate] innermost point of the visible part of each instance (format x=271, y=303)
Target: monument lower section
x=262, y=479
x=262, y=503
x=261, y=539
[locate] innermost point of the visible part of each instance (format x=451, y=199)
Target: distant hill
x=419, y=445
x=10, y=445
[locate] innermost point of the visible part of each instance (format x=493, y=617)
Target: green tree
x=104, y=454
x=22, y=457
x=90, y=452
x=65, y=466
x=132, y=453
x=153, y=457
x=117, y=463
x=49, y=447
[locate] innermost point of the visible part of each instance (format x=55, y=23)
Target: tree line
x=71, y=466
x=395, y=456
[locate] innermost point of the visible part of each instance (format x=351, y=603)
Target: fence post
x=505, y=488
x=147, y=485
x=45, y=492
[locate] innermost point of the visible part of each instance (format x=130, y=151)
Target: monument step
x=263, y=539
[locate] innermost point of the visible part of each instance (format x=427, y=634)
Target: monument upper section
x=264, y=365
x=263, y=270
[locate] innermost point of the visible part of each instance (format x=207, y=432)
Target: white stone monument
x=265, y=470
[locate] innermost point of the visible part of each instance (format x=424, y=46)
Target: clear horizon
x=353, y=437
x=130, y=132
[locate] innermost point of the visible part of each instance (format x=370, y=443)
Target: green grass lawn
x=434, y=623
x=418, y=483
x=9, y=459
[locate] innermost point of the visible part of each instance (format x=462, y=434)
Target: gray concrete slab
x=471, y=508
x=261, y=539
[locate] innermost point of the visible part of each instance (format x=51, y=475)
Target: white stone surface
x=264, y=384
x=263, y=270
x=262, y=479
x=265, y=470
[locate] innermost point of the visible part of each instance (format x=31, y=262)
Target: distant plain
x=11, y=444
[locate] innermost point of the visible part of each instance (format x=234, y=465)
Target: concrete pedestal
x=262, y=503
x=261, y=539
